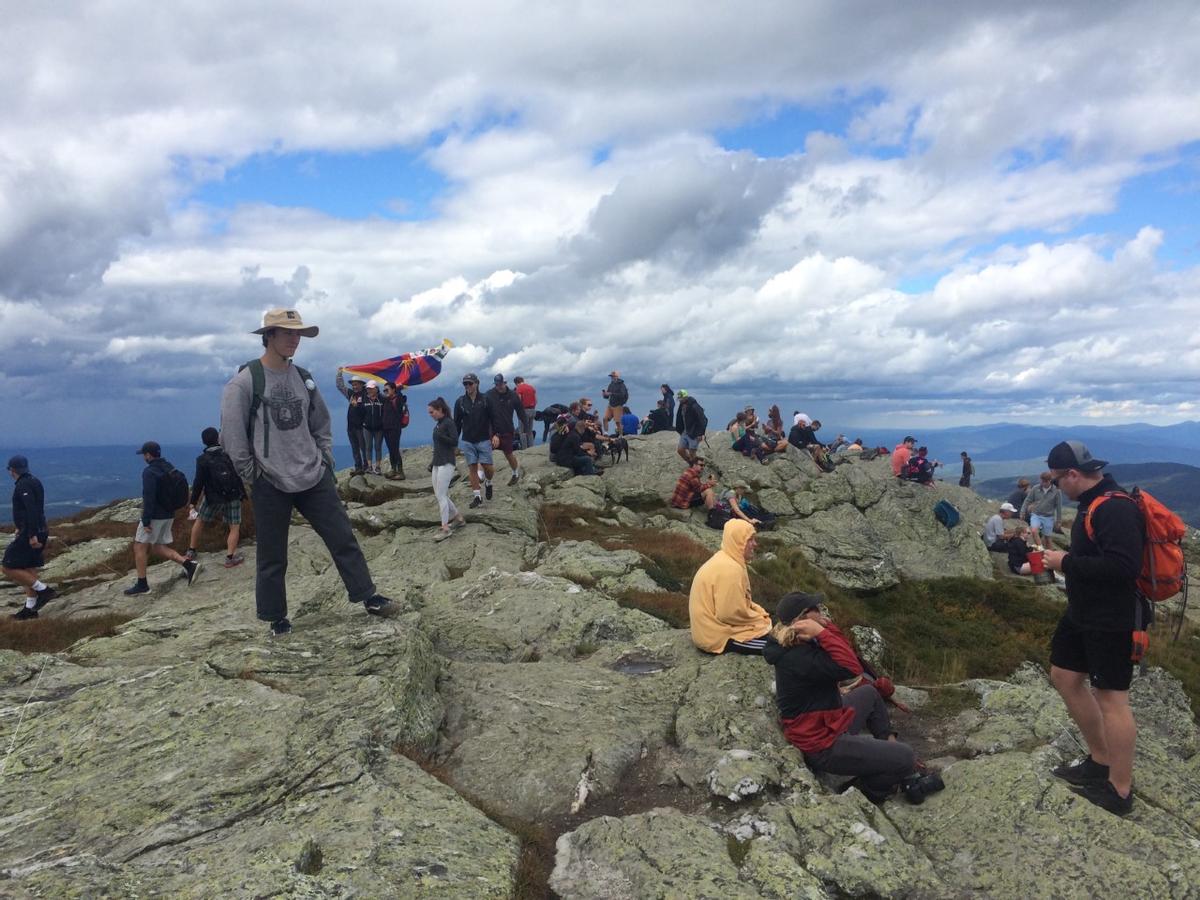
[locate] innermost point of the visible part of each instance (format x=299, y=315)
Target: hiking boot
x=236, y=560
x=378, y=605
x=917, y=787
x=476, y=502
x=139, y=587
x=487, y=490
x=44, y=596
x=515, y=478
x=442, y=535
x=1082, y=773
x=191, y=569
x=191, y=554
x=25, y=613
x=280, y=628
x=1104, y=795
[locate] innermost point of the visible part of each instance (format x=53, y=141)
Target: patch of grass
x=1179, y=657
x=670, y=606
x=55, y=635
x=738, y=850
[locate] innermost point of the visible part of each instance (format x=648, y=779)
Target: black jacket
x=472, y=418
x=501, y=409
x=372, y=412
x=204, y=477
x=29, y=508
x=690, y=419
x=618, y=394
x=660, y=420
x=394, y=409
x=445, y=440
x=568, y=448
x=151, y=508
x=801, y=436
x=807, y=676
x=1102, y=574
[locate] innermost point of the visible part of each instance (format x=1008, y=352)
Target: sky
x=882, y=214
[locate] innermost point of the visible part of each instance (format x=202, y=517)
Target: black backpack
x=172, y=491
x=701, y=418
x=718, y=516
x=223, y=484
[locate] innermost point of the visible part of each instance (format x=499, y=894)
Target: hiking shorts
x=159, y=532
x=506, y=442
x=1044, y=524
x=229, y=510
x=19, y=555
x=1103, y=655
x=477, y=453
x=688, y=443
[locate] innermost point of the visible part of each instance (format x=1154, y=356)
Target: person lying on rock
x=812, y=657
x=723, y=617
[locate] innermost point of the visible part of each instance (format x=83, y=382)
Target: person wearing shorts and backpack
x=223, y=491
x=1091, y=653
x=160, y=498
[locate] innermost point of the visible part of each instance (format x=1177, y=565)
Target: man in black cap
x=503, y=405
x=23, y=557
x=1091, y=653
x=154, y=529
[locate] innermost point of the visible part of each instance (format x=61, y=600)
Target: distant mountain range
x=1175, y=484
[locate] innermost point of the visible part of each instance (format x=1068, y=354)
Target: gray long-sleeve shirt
x=300, y=445
x=1043, y=501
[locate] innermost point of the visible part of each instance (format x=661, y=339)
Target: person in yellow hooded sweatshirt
x=723, y=616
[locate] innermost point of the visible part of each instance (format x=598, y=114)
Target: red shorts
x=506, y=443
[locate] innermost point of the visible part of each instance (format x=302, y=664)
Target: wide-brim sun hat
x=287, y=319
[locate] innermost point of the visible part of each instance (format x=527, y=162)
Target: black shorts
x=19, y=555
x=1103, y=655
x=506, y=443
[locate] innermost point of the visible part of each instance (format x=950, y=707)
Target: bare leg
x=141, y=553
x=1120, y=733
x=166, y=552
x=1085, y=711
x=197, y=528
x=231, y=543
x=25, y=578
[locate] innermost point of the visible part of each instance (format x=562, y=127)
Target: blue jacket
x=151, y=508
x=29, y=507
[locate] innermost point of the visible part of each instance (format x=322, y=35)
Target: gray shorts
x=159, y=532
x=688, y=443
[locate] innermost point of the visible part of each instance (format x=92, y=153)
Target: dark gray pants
x=880, y=764
x=358, y=445
x=323, y=509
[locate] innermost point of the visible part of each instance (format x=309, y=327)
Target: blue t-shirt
x=630, y=423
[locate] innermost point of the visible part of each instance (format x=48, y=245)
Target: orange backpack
x=1164, y=573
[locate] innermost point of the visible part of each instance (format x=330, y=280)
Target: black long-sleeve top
x=445, y=440
x=472, y=418
x=1102, y=574
x=29, y=507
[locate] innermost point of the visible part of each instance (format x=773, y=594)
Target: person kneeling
x=811, y=656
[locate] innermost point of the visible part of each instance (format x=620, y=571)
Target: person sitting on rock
x=856, y=447
x=993, y=529
x=901, y=454
x=691, y=491
x=629, y=423
x=723, y=616
x=658, y=420
x=812, y=657
x=774, y=436
x=920, y=468
x=571, y=453
x=742, y=508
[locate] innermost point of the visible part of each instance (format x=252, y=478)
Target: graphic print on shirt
x=287, y=411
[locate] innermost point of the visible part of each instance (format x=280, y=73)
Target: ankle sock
x=39, y=585
x=30, y=602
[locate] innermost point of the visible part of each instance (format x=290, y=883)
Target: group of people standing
x=376, y=415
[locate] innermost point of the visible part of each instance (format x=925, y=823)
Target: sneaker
x=236, y=560
x=457, y=524
x=1082, y=773
x=377, y=605
x=280, y=628
x=139, y=587
x=515, y=478
x=1104, y=795
x=25, y=613
x=191, y=569
x=917, y=787
x=487, y=490
x=476, y=502
x=191, y=554
x=44, y=596
x=442, y=535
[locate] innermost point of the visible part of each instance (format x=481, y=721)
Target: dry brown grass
x=54, y=635
x=670, y=606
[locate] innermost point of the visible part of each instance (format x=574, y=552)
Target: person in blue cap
x=23, y=558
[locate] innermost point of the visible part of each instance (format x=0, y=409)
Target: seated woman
x=811, y=656
x=723, y=617
x=741, y=508
x=571, y=451
x=744, y=439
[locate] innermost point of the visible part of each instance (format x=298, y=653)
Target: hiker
x=901, y=454
x=659, y=419
x=223, y=491
x=812, y=657
x=839, y=444
x=395, y=419
x=549, y=418
x=993, y=529
x=617, y=395
x=920, y=468
x=527, y=394
x=275, y=427
x=571, y=448
x=691, y=491
x=1016, y=545
x=724, y=618
x=23, y=557
x=751, y=417
x=1017, y=497
x=691, y=423
x=668, y=397
x=629, y=421
x=741, y=508
x=1091, y=663
x=356, y=395
x=802, y=435
x=153, y=532
x=743, y=440
x=372, y=408
x=503, y=406
x=473, y=421
x=968, y=469
x=445, y=442
x=1042, y=508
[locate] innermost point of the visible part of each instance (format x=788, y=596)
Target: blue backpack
x=945, y=513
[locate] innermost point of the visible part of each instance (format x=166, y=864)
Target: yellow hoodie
x=719, y=606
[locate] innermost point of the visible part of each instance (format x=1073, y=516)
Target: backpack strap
x=258, y=383
x=1088, y=527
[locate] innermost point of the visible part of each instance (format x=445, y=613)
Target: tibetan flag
x=409, y=369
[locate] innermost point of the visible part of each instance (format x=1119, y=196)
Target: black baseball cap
x=19, y=464
x=471, y=377
x=797, y=603
x=150, y=447
x=1073, y=455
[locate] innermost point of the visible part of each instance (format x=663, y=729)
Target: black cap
x=797, y=603
x=499, y=379
x=1073, y=455
x=471, y=376
x=909, y=438
x=19, y=464
x=150, y=447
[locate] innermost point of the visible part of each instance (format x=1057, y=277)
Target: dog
x=616, y=447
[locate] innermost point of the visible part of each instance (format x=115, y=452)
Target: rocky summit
x=520, y=727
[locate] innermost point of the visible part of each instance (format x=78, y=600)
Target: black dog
x=616, y=447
